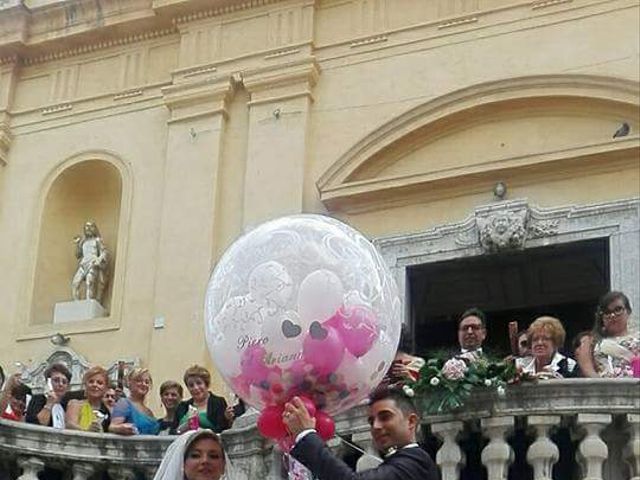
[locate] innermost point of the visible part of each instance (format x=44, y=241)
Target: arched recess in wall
x=518, y=128
x=92, y=186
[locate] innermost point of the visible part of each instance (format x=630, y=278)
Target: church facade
x=464, y=137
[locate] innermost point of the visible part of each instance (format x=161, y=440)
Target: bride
x=195, y=455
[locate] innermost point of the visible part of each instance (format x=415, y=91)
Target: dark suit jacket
x=406, y=464
x=215, y=413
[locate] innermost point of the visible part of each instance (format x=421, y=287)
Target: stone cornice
x=230, y=7
x=304, y=71
x=48, y=33
x=370, y=194
x=197, y=99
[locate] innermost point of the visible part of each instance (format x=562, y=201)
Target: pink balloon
x=286, y=443
x=357, y=327
x=325, y=426
x=252, y=364
x=309, y=405
x=323, y=349
x=270, y=423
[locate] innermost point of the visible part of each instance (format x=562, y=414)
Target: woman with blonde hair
x=130, y=416
x=210, y=411
x=546, y=336
x=90, y=413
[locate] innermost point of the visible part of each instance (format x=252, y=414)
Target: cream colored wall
x=189, y=119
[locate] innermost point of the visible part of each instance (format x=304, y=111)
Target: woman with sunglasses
x=614, y=345
x=49, y=409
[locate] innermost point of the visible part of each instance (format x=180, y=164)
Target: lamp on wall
x=59, y=339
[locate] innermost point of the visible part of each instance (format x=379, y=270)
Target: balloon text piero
x=303, y=305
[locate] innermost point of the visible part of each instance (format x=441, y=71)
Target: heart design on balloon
x=290, y=329
x=317, y=332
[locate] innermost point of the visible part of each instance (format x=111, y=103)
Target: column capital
x=282, y=81
x=192, y=100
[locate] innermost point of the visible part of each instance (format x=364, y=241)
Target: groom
x=393, y=418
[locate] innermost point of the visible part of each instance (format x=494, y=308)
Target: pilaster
x=196, y=123
x=8, y=78
x=281, y=96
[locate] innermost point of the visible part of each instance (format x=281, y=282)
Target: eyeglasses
x=619, y=310
x=59, y=380
x=475, y=328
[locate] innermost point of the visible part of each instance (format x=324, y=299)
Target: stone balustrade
x=563, y=429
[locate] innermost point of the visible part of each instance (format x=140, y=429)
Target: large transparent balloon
x=302, y=305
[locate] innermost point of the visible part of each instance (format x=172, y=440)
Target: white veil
x=172, y=465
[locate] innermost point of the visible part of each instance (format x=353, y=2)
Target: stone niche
x=87, y=191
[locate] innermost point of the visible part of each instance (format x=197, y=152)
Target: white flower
x=434, y=381
x=454, y=369
x=501, y=391
x=487, y=382
x=408, y=391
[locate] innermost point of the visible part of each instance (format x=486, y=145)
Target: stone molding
x=339, y=191
x=619, y=221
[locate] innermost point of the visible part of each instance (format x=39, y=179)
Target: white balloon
x=319, y=297
x=270, y=285
x=268, y=302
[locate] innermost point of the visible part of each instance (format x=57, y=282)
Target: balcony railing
x=520, y=435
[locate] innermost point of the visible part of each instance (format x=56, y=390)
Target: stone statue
x=93, y=263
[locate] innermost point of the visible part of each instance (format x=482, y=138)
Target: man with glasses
x=472, y=331
x=48, y=409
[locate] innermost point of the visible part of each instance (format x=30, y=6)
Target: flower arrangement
x=446, y=383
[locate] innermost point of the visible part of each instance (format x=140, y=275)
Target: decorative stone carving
x=502, y=231
x=593, y=450
x=543, y=453
x=93, y=264
x=618, y=221
x=75, y=362
x=543, y=229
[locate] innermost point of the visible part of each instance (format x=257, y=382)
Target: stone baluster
x=368, y=461
x=593, y=450
x=449, y=457
x=121, y=473
x=543, y=453
x=82, y=471
x=632, y=451
x=30, y=466
x=497, y=455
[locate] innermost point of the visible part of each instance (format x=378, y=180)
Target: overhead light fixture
x=59, y=339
